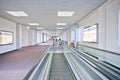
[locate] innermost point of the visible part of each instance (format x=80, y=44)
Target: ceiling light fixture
x=65, y=13
x=40, y=28
x=17, y=13
x=60, y=28
x=61, y=23
x=33, y=24
x=28, y=27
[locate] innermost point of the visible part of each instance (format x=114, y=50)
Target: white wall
x=44, y=37
x=90, y=20
x=64, y=36
x=25, y=38
x=102, y=27
x=72, y=35
x=119, y=29
x=68, y=32
x=22, y=35
x=107, y=18
x=29, y=37
x=48, y=37
x=39, y=37
x=18, y=36
x=112, y=12
x=32, y=37
x=77, y=33
x=8, y=26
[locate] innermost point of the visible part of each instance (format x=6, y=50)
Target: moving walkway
x=67, y=63
x=60, y=69
x=108, y=71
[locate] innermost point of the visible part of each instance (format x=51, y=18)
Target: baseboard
x=9, y=52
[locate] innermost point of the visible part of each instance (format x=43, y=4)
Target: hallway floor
x=15, y=65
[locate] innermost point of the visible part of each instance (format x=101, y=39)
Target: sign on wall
x=89, y=34
x=6, y=37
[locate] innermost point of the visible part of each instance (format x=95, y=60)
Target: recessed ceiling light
x=65, y=13
x=61, y=23
x=28, y=27
x=40, y=28
x=60, y=28
x=17, y=13
x=33, y=24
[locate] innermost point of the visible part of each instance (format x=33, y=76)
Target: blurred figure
x=53, y=42
x=56, y=41
x=60, y=42
x=72, y=44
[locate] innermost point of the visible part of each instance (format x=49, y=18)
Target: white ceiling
x=45, y=11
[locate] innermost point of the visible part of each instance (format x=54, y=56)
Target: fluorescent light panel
x=61, y=23
x=33, y=24
x=65, y=13
x=40, y=28
x=59, y=28
x=17, y=13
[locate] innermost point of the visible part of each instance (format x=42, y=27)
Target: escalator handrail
x=88, y=63
x=108, y=66
x=115, y=53
x=74, y=69
x=32, y=74
x=74, y=50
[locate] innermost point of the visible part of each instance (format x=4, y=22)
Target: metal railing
x=110, y=72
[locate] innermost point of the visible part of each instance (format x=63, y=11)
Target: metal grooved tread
x=59, y=68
